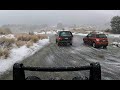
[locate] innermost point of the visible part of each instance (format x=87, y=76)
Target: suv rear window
x=101, y=36
x=65, y=34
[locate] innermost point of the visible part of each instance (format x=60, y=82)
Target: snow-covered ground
x=51, y=32
x=48, y=32
x=19, y=54
x=81, y=34
x=9, y=36
x=114, y=35
x=36, y=33
x=116, y=44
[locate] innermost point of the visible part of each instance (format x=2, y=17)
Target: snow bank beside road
x=9, y=36
x=81, y=34
x=19, y=54
x=51, y=32
x=116, y=44
x=48, y=32
x=113, y=35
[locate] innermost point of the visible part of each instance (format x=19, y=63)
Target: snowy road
x=76, y=55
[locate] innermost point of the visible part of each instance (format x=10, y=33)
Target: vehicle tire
x=84, y=42
x=58, y=43
x=94, y=45
x=32, y=78
x=104, y=47
x=80, y=78
x=71, y=44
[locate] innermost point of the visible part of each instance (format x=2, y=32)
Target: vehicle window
x=89, y=35
x=101, y=36
x=65, y=34
x=93, y=35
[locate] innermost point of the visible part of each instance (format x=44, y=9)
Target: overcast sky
x=52, y=17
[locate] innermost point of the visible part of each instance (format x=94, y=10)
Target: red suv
x=96, y=40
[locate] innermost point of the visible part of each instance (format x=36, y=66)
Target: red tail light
x=60, y=38
x=97, y=40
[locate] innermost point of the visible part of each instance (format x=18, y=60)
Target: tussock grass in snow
x=42, y=36
x=34, y=38
x=19, y=40
x=5, y=31
x=20, y=43
x=6, y=42
x=29, y=44
x=5, y=46
x=28, y=37
x=23, y=37
x=4, y=53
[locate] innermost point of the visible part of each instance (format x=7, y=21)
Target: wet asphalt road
x=76, y=55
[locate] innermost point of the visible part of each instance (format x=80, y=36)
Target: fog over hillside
x=18, y=28
x=38, y=19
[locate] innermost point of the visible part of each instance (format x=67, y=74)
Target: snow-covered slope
x=19, y=54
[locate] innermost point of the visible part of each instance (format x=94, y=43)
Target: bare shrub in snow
x=39, y=36
x=34, y=38
x=20, y=43
x=4, y=53
x=30, y=43
x=42, y=36
x=4, y=31
x=23, y=37
x=6, y=42
x=28, y=37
